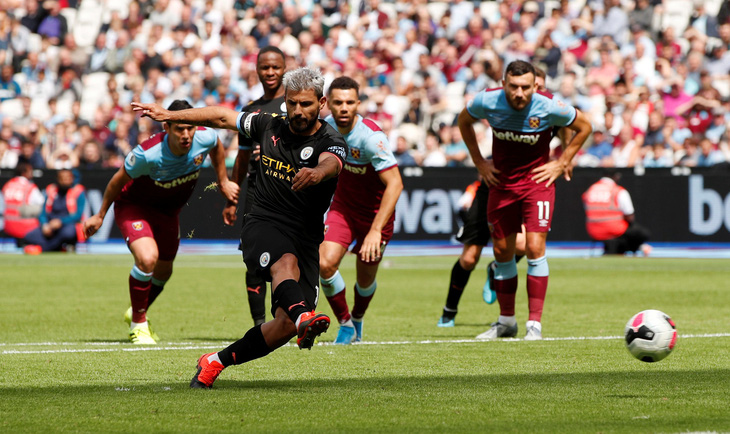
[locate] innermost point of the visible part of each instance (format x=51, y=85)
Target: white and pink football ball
x=650, y=335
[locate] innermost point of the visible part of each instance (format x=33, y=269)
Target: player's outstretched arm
x=229, y=189
x=93, y=223
x=328, y=166
x=213, y=116
x=393, y=187
x=485, y=168
x=552, y=170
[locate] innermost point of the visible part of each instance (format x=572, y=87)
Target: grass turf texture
x=82, y=375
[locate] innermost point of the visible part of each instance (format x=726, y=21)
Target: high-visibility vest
x=17, y=194
x=604, y=218
x=72, y=197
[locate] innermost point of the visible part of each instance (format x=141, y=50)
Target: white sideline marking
x=176, y=346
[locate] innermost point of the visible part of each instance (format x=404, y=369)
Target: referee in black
x=301, y=156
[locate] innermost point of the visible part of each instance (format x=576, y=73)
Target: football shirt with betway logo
x=283, y=154
x=521, y=138
x=162, y=179
x=360, y=189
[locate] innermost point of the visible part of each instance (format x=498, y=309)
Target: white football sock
x=135, y=324
x=535, y=324
x=507, y=320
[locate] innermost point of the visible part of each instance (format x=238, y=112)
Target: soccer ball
x=650, y=335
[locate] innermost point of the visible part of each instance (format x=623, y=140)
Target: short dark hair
x=518, y=68
x=539, y=72
x=344, y=83
x=22, y=168
x=270, y=49
x=179, y=104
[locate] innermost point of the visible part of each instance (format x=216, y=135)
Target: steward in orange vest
x=23, y=201
x=610, y=218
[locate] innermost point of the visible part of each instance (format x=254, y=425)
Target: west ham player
x=148, y=193
x=301, y=157
x=521, y=183
x=362, y=210
x=270, y=67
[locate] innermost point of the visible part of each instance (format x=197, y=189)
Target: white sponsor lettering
x=719, y=210
x=431, y=210
x=509, y=136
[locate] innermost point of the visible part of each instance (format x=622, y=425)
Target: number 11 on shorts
x=543, y=210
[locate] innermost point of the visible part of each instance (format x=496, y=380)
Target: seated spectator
x=8, y=158
x=626, y=151
x=659, y=156
x=62, y=212
x=709, y=155
x=403, y=153
x=433, y=155
x=598, y=154
x=30, y=154
x=23, y=202
x=455, y=150
x=54, y=25
x=610, y=217
x=90, y=156
x=9, y=88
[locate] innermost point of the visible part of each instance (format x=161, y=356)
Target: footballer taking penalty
x=363, y=208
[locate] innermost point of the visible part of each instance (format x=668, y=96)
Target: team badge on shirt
x=198, y=160
x=137, y=226
x=355, y=153
x=534, y=122
x=264, y=259
x=306, y=152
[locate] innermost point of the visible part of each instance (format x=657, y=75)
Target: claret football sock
x=139, y=290
x=155, y=290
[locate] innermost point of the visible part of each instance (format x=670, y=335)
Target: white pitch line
x=213, y=345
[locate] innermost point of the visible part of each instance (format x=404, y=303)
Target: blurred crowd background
x=653, y=76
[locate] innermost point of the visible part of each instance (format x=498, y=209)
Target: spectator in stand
x=29, y=154
x=403, y=153
x=90, y=156
x=9, y=88
x=598, y=154
x=62, y=211
x=433, y=155
x=54, y=25
x=642, y=15
x=8, y=158
x=718, y=127
x=457, y=154
x=626, y=152
x=659, y=155
x=610, y=218
x=708, y=154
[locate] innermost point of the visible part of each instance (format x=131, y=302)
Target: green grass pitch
x=65, y=364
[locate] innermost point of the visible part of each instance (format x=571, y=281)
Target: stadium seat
x=437, y=10
x=88, y=22
x=455, y=96
x=70, y=15
x=389, y=9
x=489, y=11
x=676, y=14
x=12, y=108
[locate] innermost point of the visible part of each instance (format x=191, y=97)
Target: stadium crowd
x=651, y=75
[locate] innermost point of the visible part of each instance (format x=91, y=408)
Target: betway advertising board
x=677, y=205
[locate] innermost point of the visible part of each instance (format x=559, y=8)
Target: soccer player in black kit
x=301, y=157
x=270, y=67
